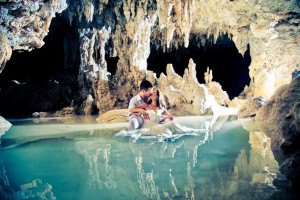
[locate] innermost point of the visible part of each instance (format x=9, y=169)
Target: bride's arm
x=167, y=114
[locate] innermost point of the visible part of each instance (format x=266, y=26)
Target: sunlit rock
x=120, y=115
x=184, y=93
x=88, y=105
x=215, y=88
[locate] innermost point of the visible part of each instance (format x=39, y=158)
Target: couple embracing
x=148, y=114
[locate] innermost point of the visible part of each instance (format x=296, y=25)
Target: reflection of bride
x=160, y=122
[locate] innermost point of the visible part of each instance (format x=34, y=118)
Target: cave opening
x=229, y=67
x=44, y=79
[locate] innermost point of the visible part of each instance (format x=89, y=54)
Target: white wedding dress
x=154, y=127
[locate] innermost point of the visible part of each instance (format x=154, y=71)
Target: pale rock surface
x=4, y=126
x=270, y=28
x=184, y=93
x=5, y=51
x=215, y=88
x=92, y=41
x=118, y=115
x=250, y=107
x=280, y=119
x=88, y=105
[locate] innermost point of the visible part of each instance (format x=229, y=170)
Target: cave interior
x=45, y=79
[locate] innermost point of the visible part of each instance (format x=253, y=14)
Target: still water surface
x=67, y=160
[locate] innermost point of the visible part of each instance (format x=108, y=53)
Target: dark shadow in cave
x=229, y=67
x=47, y=76
x=111, y=64
x=111, y=61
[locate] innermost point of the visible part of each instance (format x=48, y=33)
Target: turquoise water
x=72, y=160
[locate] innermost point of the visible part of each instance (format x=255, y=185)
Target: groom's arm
x=135, y=109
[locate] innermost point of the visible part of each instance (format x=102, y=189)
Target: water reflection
x=97, y=156
x=146, y=181
x=225, y=161
x=35, y=189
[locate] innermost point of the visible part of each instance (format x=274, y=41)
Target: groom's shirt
x=136, y=101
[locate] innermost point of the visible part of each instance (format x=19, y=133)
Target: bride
x=159, y=121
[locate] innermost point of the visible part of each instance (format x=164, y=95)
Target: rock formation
x=280, y=119
x=269, y=28
x=184, y=93
x=5, y=51
x=249, y=107
x=119, y=115
x=4, y=126
x=215, y=88
x=24, y=24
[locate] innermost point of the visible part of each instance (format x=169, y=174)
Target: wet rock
x=36, y=114
x=44, y=114
x=65, y=112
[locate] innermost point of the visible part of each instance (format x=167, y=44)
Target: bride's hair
x=159, y=101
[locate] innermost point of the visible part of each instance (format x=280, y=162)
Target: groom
x=138, y=115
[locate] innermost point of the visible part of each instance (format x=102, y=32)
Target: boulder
x=118, y=115
x=279, y=118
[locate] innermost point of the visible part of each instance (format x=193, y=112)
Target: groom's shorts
x=135, y=121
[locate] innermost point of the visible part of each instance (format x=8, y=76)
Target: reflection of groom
x=138, y=115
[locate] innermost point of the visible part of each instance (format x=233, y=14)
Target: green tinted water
x=88, y=161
